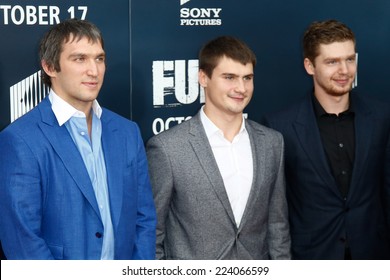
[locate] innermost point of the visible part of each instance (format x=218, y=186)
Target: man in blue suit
x=337, y=146
x=74, y=177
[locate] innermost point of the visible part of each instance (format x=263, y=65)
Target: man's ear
x=49, y=70
x=202, y=78
x=309, y=67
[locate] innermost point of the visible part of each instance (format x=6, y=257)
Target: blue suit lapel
x=67, y=151
x=308, y=134
x=114, y=148
x=206, y=159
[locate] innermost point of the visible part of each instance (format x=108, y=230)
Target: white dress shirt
x=235, y=163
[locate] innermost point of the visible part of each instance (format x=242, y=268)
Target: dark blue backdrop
x=20, y=40
x=140, y=34
x=273, y=28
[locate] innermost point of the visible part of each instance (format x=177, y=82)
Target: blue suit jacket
x=320, y=219
x=48, y=206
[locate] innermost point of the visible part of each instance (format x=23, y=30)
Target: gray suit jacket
x=195, y=219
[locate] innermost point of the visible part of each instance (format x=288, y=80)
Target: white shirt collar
x=64, y=111
x=211, y=128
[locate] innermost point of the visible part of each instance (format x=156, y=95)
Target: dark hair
x=52, y=42
x=324, y=32
x=222, y=46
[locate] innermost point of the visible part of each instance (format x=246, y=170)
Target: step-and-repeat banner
x=152, y=48
x=167, y=35
x=23, y=23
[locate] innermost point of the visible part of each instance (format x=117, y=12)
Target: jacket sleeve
x=146, y=212
x=387, y=182
x=162, y=185
x=279, y=231
x=22, y=199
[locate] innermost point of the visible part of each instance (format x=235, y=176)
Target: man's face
x=229, y=89
x=333, y=69
x=82, y=72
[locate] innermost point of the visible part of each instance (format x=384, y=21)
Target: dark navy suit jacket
x=48, y=206
x=321, y=220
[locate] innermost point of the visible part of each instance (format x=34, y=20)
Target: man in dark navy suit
x=337, y=156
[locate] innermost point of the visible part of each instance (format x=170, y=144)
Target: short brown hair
x=222, y=46
x=324, y=32
x=52, y=42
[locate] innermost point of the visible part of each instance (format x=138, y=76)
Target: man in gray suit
x=218, y=179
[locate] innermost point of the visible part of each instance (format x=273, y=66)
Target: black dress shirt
x=338, y=139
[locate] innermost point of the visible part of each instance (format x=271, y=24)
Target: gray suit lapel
x=258, y=158
x=202, y=149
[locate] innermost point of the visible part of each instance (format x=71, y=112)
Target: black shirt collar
x=319, y=111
